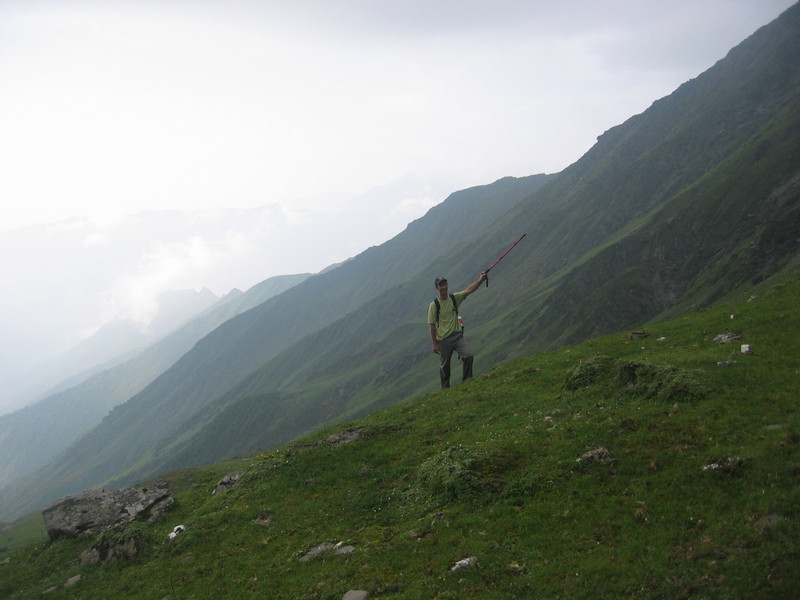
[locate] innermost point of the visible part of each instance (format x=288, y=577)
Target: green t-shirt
x=448, y=318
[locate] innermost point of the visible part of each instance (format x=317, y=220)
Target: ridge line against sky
x=148, y=146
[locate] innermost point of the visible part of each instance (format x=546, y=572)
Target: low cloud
x=67, y=279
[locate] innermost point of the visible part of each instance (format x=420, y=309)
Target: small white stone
x=466, y=562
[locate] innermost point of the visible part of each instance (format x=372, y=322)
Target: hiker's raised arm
x=475, y=284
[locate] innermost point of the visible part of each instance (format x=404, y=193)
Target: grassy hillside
x=231, y=351
x=662, y=467
x=21, y=534
x=731, y=229
x=674, y=209
x=693, y=200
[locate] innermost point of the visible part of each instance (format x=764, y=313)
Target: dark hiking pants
x=454, y=343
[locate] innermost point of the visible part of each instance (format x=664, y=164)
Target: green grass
x=492, y=469
x=21, y=533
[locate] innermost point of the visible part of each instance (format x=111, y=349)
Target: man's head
x=441, y=287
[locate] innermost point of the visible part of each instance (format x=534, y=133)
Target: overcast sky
x=273, y=120
x=121, y=106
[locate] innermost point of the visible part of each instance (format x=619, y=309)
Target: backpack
x=438, y=307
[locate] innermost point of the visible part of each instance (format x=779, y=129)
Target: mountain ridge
x=202, y=381
x=616, y=468
x=588, y=266
x=596, y=293
x=600, y=319
x=31, y=436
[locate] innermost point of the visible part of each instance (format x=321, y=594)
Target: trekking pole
x=501, y=258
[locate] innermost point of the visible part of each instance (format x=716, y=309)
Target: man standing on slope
x=447, y=333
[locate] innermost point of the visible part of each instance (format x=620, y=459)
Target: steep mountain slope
x=33, y=435
x=244, y=342
x=720, y=210
x=693, y=200
x=655, y=218
x=603, y=470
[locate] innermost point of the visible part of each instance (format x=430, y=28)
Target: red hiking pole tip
x=501, y=258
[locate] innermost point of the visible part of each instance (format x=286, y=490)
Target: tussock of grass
x=455, y=474
x=637, y=379
x=589, y=372
x=586, y=472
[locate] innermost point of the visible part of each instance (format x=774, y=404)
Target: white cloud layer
x=66, y=279
x=145, y=105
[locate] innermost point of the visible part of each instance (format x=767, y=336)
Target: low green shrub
x=589, y=372
x=664, y=382
x=639, y=379
x=451, y=475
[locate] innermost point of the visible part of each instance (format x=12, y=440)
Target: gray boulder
x=227, y=482
x=94, y=511
x=726, y=338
